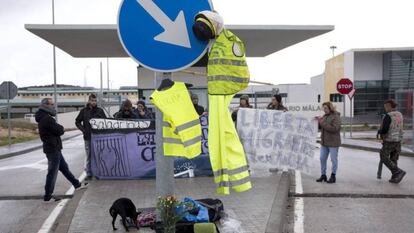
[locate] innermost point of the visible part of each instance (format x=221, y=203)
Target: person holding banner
x=330, y=126
x=277, y=104
x=91, y=110
x=244, y=103
x=142, y=111
x=126, y=111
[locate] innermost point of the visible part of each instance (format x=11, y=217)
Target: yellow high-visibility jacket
x=181, y=123
x=227, y=70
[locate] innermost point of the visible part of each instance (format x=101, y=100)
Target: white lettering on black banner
x=104, y=124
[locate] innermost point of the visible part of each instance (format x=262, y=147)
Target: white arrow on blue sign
x=158, y=33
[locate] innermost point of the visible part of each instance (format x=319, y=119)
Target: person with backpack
x=391, y=133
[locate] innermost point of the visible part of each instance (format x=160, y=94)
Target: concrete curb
x=276, y=221
x=403, y=153
x=24, y=151
x=372, y=149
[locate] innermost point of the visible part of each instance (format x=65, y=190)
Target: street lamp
x=84, y=76
x=333, y=47
x=85, y=80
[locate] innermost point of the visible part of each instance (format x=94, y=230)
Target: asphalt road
x=358, y=202
x=22, y=187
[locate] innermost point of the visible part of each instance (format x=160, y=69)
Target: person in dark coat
x=244, y=103
x=276, y=104
x=50, y=133
x=142, y=112
x=330, y=125
x=199, y=109
x=126, y=111
x=91, y=110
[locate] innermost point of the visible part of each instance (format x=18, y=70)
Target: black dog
x=126, y=209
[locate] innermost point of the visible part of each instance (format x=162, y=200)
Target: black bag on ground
x=180, y=227
x=215, y=208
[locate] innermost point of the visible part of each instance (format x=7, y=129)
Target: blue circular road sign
x=158, y=33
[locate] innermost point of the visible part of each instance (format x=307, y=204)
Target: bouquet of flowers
x=169, y=209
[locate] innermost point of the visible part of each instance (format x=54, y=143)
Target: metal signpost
x=344, y=87
x=351, y=96
x=8, y=90
x=158, y=36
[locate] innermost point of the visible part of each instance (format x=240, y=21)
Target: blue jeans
x=56, y=163
x=325, y=152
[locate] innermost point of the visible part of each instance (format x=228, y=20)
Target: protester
x=142, y=111
x=126, y=111
x=276, y=104
x=50, y=133
x=391, y=133
x=91, y=110
x=199, y=109
x=244, y=103
x=330, y=125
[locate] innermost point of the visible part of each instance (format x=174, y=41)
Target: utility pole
x=107, y=80
x=101, y=90
x=54, y=65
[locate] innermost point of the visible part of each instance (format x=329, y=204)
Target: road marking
x=50, y=221
x=298, y=182
x=299, y=204
x=40, y=165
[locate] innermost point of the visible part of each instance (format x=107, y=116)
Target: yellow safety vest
x=227, y=71
x=181, y=123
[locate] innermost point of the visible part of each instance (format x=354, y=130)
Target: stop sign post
x=8, y=90
x=344, y=87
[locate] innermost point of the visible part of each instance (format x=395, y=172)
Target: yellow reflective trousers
x=227, y=156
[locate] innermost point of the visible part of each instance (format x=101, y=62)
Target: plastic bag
x=198, y=213
x=229, y=223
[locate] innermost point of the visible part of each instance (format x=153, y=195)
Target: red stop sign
x=344, y=86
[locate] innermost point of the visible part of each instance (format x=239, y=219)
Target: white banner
x=276, y=139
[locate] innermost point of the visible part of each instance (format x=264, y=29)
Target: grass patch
x=18, y=123
x=21, y=131
x=4, y=140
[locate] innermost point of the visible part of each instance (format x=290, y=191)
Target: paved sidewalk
x=252, y=208
x=25, y=147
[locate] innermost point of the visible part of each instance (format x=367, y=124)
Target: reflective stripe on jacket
x=227, y=70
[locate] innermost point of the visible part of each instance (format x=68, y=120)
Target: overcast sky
x=27, y=60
